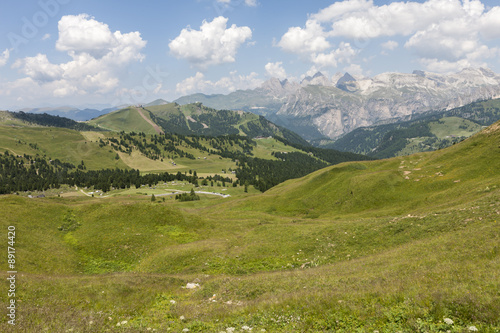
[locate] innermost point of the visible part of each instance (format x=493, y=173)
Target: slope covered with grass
x=128, y=120
x=391, y=245
x=446, y=177
x=58, y=143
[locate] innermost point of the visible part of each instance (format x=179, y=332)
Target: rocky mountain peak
x=346, y=78
x=418, y=73
x=319, y=79
x=318, y=74
x=276, y=87
x=347, y=83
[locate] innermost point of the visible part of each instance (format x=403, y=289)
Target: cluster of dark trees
x=154, y=147
x=45, y=119
x=331, y=156
x=187, y=196
x=264, y=174
x=261, y=173
x=27, y=173
x=160, y=146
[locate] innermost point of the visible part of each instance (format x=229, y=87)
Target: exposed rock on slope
x=336, y=110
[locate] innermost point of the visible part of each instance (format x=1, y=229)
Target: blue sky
x=98, y=53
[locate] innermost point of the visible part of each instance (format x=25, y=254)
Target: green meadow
x=127, y=119
x=408, y=244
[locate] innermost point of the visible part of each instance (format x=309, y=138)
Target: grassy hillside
x=424, y=132
x=395, y=185
x=7, y=119
x=58, y=143
x=24, y=119
x=405, y=244
x=193, y=119
x=128, y=120
x=263, y=162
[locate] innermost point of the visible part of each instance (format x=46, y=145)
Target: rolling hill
x=261, y=162
x=192, y=119
x=404, y=244
x=34, y=119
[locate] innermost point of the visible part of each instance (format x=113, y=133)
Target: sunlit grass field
x=409, y=244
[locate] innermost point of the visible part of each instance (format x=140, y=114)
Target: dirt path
x=156, y=127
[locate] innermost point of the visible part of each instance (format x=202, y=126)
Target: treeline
x=331, y=156
x=155, y=147
x=205, y=121
x=395, y=140
x=167, y=145
x=264, y=174
x=45, y=119
x=27, y=173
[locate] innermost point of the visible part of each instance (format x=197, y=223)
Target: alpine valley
x=135, y=232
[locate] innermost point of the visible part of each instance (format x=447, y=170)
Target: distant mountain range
x=70, y=112
x=320, y=107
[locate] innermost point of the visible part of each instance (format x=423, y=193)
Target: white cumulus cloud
x=227, y=84
x=343, y=54
x=251, y=3
x=98, y=55
x=4, y=57
x=83, y=34
x=275, y=69
x=490, y=24
x=390, y=45
x=39, y=68
x=310, y=39
x=213, y=44
x=446, y=33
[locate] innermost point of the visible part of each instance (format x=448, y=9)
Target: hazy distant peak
x=318, y=79
x=318, y=74
x=346, y=78
x=277, y=87
x=159, y=101
x=419, y=72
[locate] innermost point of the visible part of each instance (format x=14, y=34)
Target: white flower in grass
x=473, y=328
x=448, y=321
x=182, y=317
x=172, y=301
x=230, y=329
x=124, y=322
x=246, y=328
x=186, y=330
